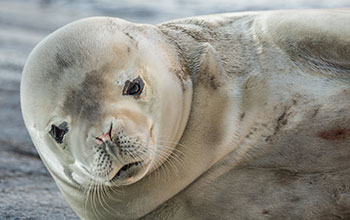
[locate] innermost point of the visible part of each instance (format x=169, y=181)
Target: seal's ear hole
x=58, y=132
x=133, y=88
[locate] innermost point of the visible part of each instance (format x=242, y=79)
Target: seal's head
x=104, y=102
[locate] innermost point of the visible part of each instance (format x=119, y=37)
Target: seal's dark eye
x=133, y=88
x=58, y=132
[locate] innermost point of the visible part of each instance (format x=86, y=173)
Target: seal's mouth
x=128, y=169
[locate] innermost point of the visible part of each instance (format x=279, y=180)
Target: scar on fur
x=334, y=134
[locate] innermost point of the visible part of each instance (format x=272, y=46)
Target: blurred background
x=26, y=189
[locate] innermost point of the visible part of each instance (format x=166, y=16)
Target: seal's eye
x=133, y=88
x=58, y=132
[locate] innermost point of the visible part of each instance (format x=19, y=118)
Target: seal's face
x=110, y=114
x=102, y=105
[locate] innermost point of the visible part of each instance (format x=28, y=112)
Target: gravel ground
x=26, y=189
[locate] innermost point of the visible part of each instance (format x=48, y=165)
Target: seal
x=229, y=116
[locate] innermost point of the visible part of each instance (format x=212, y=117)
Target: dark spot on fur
x=85, y=100
x=294, y=199
x=133, y=40
x=213, y=82
x=64, y=62
x=315, y=112
x=242, y=116
x=249, y=134
x=265, y=212
x=335, y=134
x=285, y=177
x=281, y=122
x=131, y=37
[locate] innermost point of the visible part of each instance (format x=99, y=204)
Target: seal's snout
x=121, y=151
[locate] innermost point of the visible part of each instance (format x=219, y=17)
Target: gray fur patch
x=85, y=101
x=64, y=62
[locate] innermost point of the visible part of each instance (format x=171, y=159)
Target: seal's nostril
x=110, y=131
x=99, y=139
x=105, y=136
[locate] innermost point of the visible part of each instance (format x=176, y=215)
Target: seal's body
x=233, y=116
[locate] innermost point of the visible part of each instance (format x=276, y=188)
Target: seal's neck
x=211, y=130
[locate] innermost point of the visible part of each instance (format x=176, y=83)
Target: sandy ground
x=26, y=189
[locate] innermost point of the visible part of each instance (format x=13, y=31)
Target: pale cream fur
x=253, y=109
